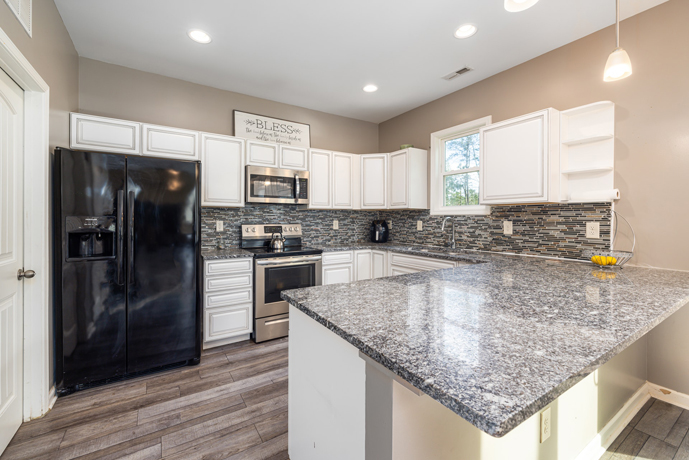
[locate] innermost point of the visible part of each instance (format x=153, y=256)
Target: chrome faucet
x=453, y=243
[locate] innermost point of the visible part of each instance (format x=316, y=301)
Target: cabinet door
x=338, y=274
x=222, y=171
x=262, y=154
x=319, y=179
x=222, y=323
x=363, y=265
x=166, y=142
x=399, y=179
x=294, y=158
x=374, y=172
x=514, y=160
x=342, y=180
x=378, y=265
x=104, y=134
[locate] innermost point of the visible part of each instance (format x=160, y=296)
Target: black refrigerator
x=127, y=266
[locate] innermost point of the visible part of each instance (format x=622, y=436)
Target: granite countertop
x=227, y=253
x=497, y=341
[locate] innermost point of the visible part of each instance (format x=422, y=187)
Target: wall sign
x=267, y=129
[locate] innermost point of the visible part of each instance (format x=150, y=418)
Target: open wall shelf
x=587, y=152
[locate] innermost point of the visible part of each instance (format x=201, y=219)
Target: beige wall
x=652, y=118
x=52, y=54
x=114, y=91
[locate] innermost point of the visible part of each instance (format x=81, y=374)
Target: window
x=455, y=161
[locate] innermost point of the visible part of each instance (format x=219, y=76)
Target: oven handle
x=289, y=262
x=276, y=321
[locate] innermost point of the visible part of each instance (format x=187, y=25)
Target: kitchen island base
x=345, y=406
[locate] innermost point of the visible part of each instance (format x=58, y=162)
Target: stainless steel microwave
x=274, y=185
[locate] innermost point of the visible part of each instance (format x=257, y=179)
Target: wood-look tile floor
x=657, y=432
x=231, y=406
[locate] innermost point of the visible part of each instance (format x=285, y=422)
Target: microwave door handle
x=296, y=187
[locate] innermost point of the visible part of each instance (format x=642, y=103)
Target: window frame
x=438, y=172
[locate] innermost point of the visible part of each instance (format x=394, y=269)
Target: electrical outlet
x=419, y=225
x=389, y=224
x=546, y=426
x=336, y=225
x=218, y=226
x=592, y=230
x=507, y=227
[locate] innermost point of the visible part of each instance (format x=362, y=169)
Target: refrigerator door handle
x=120, y=237
x=130, y=243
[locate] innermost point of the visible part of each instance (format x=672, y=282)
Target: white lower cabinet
x=338, y=274
x=227, y=301
x=363, y=265
x=226, y=322
x=379, y=266
x=338, y=267
x=400, y=264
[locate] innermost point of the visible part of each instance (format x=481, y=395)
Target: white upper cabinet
x=294, y=158
x=520, y=160
x=408, y=179
x=88, y=132
x=262, y=154
x=343, y=173
x=222, y=170
x=320, y=173
x=374, y=177
x=166, y=142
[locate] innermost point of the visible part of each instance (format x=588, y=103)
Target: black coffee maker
x=379, y=231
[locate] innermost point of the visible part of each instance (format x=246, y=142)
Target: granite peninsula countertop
x=498, y=340
x=227, y=253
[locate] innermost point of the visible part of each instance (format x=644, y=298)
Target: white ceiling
x=320, y=53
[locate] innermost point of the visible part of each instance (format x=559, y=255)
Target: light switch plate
x=546, y=425
x=419, y=225
x=218, y=226
x=592, y=230
x=336, y=224
x=507, y=227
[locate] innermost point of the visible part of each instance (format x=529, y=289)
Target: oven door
x=274, y=185
x=279, y=274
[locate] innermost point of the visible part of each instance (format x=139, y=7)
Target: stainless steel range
x=275, y=270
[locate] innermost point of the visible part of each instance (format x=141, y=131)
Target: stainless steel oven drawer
x=272, y=327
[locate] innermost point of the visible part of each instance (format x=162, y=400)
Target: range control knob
x=253, y=229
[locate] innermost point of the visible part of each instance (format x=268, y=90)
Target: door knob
x=25, y=274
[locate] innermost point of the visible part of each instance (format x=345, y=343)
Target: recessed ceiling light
x=370, y=88
x=515, y=6
x=199, y=36
x=465, y=31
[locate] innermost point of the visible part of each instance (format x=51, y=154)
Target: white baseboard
x=220, y=343
x=597, y=447
x=669, y=396
x=607, y=435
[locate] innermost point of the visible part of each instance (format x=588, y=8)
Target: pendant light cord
x=617, y=23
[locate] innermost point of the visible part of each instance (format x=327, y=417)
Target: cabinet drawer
x=340, y=257
x=223, y=283
x=396, y=270
x=162, y=141
x=419, y=263
x=227, y=322
x=104, y=134
x=227, y=298
x=221, y=267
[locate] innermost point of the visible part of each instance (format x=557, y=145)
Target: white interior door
x=11, y=256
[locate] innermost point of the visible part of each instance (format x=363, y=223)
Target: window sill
x=477, y=210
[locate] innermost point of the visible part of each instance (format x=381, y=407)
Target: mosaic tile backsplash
x=554, y=230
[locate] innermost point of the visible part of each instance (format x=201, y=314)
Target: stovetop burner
x=256, y=238
x=289, y=251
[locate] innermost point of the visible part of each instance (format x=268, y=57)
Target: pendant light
x=619, y=65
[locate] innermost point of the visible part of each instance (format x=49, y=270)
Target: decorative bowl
x=608, y=259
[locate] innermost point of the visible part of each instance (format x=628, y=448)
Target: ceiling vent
x=457, y=73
